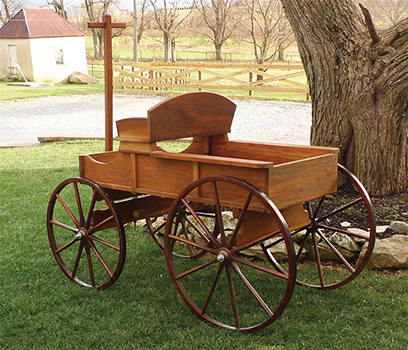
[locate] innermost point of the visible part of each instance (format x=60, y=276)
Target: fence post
x=123, y=79
x=200, y=78
x=251, y=76
x=151, y=76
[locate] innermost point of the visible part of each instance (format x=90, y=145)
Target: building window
x=59, y=55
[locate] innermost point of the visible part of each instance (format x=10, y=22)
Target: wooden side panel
x=231, y=195
x=303, y=180
x=257, y=225
x=110, y=169
x=163, y=176
x=276, y=153
x=191, y=114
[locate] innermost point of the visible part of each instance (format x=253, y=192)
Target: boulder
x=345, y=244
x=389, y=253
x=381, y=229
x=81, y=78
x=399, y=226
x=361, y=232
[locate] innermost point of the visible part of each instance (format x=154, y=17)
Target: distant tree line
x=262, y=23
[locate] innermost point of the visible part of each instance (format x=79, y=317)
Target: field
x=41, y=309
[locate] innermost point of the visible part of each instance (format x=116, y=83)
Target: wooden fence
x=288, y=78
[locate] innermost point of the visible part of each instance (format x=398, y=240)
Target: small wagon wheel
x=186, y=225
x=339, y=229
x=85, y=233
x=223, y=286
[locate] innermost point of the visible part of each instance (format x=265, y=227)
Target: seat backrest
x=190, y=114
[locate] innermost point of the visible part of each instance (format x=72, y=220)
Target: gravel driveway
x=24, y=120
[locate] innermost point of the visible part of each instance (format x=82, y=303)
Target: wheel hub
x=82, y=234
x=224, y=256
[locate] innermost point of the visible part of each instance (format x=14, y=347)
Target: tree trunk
x=166, y=47
x=281, y=54
x=218, y=51
x=173, y=50
x=358, y=89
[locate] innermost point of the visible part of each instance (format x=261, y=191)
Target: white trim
x=28, y=28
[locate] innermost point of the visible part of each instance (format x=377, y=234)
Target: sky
x=126, y=4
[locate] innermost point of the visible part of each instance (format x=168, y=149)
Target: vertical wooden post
x=107, y=26
x=200, y=78
x=251, y=93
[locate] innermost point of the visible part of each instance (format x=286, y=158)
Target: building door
x=12, y=51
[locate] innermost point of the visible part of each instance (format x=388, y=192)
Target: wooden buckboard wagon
x=240, y=222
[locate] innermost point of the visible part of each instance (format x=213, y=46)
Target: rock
x=229, y=221
x=278, y=251
x=345, y=224
x=388, y=253
x=346, y=245
x=381, y=229
x=80, y=78
x=360, y=232
x=159, y=221
x=399, y=226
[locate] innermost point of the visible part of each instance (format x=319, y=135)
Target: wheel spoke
x=252, y=290
x=233, y=297
x=318, y=261
x=201, y=223
x=344, y=207
x=69, y=211
x=79, y=203
x=191, y=243
x=346, y=232
x=183, y=226
x=335, y=250
x=103, y=222
x=101, y=259
x=212, y=289
x=260, y=268
x=316, y=212
x=302, y=246
x=110, y=245
x=78, y=258
x=59, y=250
x=91, y=271
x=197, y=230
x=91, y=209
x=240, y=220
x=219, y=214
x=60, y=224
x=195, y=269
x=257, y=241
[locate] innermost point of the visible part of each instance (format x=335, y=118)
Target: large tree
x=220, y=17
x=8, y=8
x=359, y=88
x=169, y=17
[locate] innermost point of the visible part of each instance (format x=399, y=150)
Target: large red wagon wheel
x=223, y=286
x=85, y=233
x=340, y=225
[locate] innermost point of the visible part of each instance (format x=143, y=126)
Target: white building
x=46, y=47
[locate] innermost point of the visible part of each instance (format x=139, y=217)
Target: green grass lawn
x=41, y=309
x=8, y=93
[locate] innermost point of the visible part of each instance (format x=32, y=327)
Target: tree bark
x=358, y=88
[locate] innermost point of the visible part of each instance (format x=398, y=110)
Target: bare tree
x=141, y=21
x=268, y=27
x=358, y=86
x=393, y=10
x=220, y=16
x=59, y=7
x=95, y=10
x=168, y=19
x=8, y=8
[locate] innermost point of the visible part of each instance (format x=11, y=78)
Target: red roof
x=38, y=23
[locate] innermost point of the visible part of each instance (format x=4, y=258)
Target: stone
x=346, y=245
x=381, y=229
x=345, y=224
x=362, y=233
x=278, y=251
x=388, y=253
x=399, y=226
x=80, y=78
